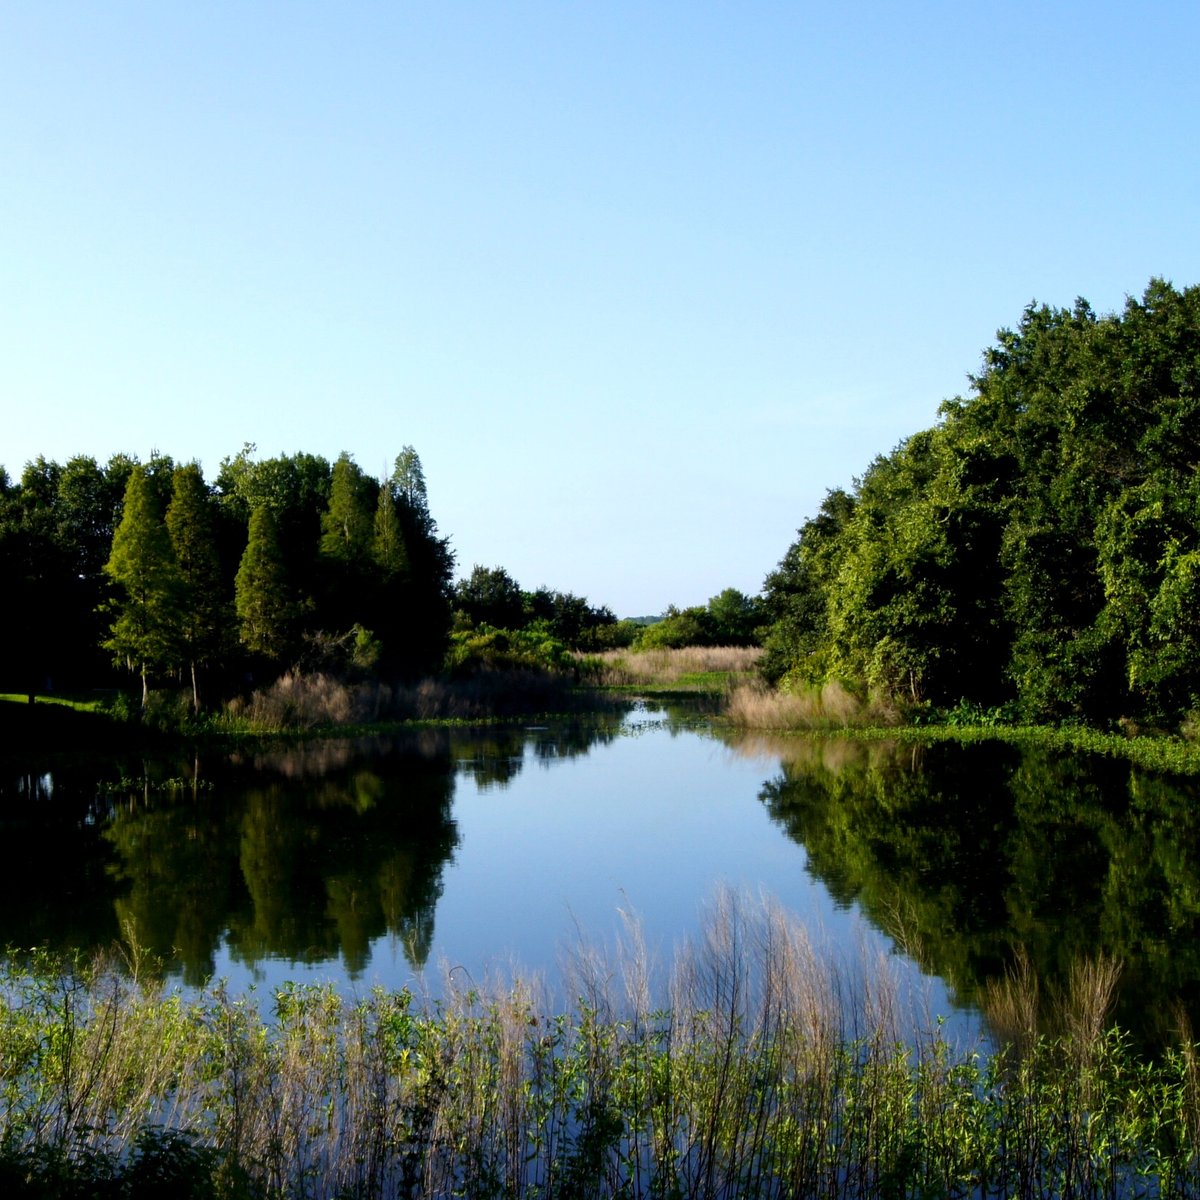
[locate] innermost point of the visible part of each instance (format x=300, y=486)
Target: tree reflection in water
x=306, y=852
x=973, y=855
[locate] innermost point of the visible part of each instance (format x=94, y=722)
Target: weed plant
x=759, y=1071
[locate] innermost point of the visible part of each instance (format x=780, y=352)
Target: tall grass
x=831, y=706
x=298, y=700
x=759, y=1071
x=707, y=666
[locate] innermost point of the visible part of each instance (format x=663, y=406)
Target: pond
x=395, y=860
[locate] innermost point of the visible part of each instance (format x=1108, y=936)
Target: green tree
x=347, y=525
x=146, y=609
x=796, y=595
x=204, y=609
x=678, y=628
x=387, y=544
x=734, y=618
x=263, y=596
x=490, y=596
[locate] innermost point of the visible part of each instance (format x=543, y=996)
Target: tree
x=347, y=526
x=490, y=596
x=204, y=615
x=263, y=596
x=144, y=630
x=408, y=482
x=734, y=618
x=416, y=627
x=387, y=543
x=678, y=628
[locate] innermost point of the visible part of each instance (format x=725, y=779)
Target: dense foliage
x=1040, y=545
x=489, y=598
x=277, y=562
x=730, y=618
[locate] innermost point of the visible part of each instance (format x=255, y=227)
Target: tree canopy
x=1040, y=545
x=272, y=564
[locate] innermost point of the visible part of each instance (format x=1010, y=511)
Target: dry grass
x=298, y=700
x=665, y=667
x=832, y=706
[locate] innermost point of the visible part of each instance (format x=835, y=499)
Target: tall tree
x=266, y=608
x=419, y=621
x=387, y=544
x=145, y=610
x=347, y=526
x=204, y=614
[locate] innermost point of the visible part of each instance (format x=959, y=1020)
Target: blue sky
x=640, y=282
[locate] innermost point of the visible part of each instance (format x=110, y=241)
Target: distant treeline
x=1039, y=548
x=276, y=562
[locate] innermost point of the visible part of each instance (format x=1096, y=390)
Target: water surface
x=391, y=860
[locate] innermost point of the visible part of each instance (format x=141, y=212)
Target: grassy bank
x=756, y=1073
x=295, y=703
x=832, y=710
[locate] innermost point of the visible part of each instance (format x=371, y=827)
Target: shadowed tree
x=262, y=595
x=490, y=596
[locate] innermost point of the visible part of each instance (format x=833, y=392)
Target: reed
x=753, y=1065
x=831, y=706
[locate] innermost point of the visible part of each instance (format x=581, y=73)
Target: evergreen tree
x=263, y=596
x=419, y=619
x=146, y=611
x=387, y=545
x=204, y=612
x=346, y=527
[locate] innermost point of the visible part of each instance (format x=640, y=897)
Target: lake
x=394, y=860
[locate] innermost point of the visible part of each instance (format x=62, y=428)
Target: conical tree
x=146, y=611
x=262, y=593
x=204, y=616
x=422, y=609
x=346, y=524
x=387, y=545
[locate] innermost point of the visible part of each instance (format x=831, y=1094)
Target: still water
x=394, y=860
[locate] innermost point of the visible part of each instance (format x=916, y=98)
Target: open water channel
x=396, y=860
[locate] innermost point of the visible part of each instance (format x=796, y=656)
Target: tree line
x=276, y=562
x=1038, y=549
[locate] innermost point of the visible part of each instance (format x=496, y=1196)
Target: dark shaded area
x=304, y=851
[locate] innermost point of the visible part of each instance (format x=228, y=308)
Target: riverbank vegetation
x=1037, y=552
x=289, y=592
x=762, y=1070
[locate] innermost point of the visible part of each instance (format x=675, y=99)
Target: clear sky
x=639, y=281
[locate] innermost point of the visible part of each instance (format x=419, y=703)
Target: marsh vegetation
x=754, y=1070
